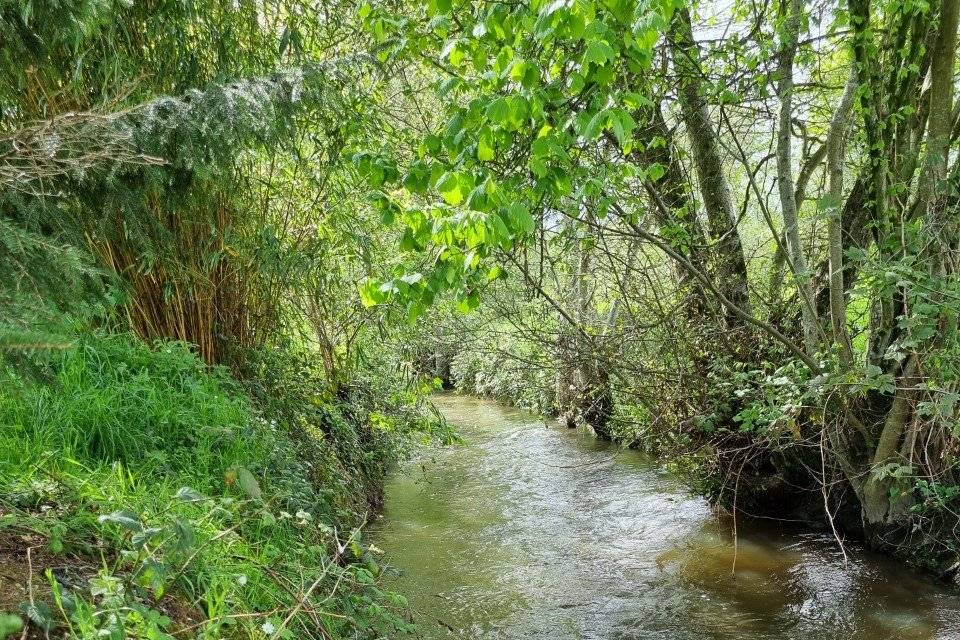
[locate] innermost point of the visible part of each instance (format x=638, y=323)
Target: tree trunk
x=788, y=203
x=714, y=187
x=836, y=144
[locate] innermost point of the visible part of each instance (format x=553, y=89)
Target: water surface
x=533, y=531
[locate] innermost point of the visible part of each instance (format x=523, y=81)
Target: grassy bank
x=145, y=495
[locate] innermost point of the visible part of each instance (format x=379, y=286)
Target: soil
x=24, y=561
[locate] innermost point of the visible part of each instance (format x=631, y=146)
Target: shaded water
x=534, y=532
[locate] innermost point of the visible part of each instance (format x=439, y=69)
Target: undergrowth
x=182, y=490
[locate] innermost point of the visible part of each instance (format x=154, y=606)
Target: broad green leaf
x=655, y=171
x=498, y=111
x=485, y=152
x=450, y=187
x=595, y=125
x=520, y=218
x=248, y=483
x=599, y=52
x=623, y=126
x=635, y=100
x=370, y=293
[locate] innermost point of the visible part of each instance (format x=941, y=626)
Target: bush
x=506, y=376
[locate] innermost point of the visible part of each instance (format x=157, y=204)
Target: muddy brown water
x=533, y=531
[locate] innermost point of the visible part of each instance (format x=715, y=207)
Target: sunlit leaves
x=498, y=111
x=599, y=52
x=485, y=151
x=453, y=187
x=533, y=90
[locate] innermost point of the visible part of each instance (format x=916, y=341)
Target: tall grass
x=98, y=443
x=113, y=398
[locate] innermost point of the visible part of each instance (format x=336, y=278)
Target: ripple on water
x=533, y=532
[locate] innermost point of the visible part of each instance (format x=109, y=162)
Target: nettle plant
x=540, y=105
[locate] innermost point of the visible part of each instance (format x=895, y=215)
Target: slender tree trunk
x=939, y=125
x=836, y=144
x=714, y=187
x=788, y=203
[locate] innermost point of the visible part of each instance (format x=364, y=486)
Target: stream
x=534, y=531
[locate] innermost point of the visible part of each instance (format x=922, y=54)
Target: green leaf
x=623, y=126
x=518, y=69
x=440, y=6
x=635, y=100
x=498, y=230
x=188, y=495
x=599, y=52
x=370, y=293
x=485, y=152
x=595, y=125
x=468, y=303
x=655, y=171
x=520, y=218
x=10, y=624
x=39, y=614
x=450, y=187
x=126, y=519
x=141, y=538
x=248, y=483
x=498, y=111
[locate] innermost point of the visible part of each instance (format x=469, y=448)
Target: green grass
x=170, y=482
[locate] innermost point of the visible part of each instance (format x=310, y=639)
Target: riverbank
x=531, y=531
x=146, y=495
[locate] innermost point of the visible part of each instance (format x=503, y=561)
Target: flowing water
x=529, y=531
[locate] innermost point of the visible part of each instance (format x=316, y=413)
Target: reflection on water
x=529, y=531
